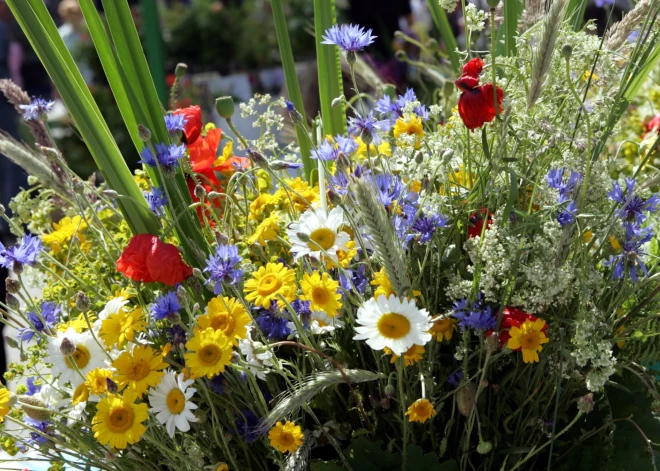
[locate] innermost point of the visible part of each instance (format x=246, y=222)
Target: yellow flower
x=286, y=437
x=166, y=349
x=620, y=336
x=120, y=327
x=383, y=148
x=443, y=329
x=615, y=244
x=384, y=287
x=344, y=257
x=64, y=231
x=587, y=236
x=268, y=282
x=267, y=230
x=118, y=420
x=227, y=315
x=420, y=411
x=209, y=352
x=141, y=181
x=529, y=338
x=412, y=125
x=415, y=186
x=97, y=381
x=139, y=369
x=227, y=153
x=222, y=467
x=410, y=356
x=298, y=193
x=79, y=324
x=81, y=394
x=5, y=400
x=587, y=74
x=321, y=292
x=259, y=205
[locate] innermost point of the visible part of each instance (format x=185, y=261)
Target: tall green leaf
x=442, y=23
x=512, y=10
x=42, y=33
x=329, y=68
x=292, y=84
x=575, y=13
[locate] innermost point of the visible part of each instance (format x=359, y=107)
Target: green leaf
x=643, y=73
x=292, y=84
x=512, y=11
x=36, y=22
x=575, y=13
x=442, y=23
x=329, y=68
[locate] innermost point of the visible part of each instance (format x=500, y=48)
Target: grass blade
x=442, y=23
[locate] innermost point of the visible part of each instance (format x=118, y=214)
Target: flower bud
x=82, y=302
x=343, y=163
x=385, y=403
x=400, y=55
x=586, y=403
x=493, y=3
x=180, y=70
x=67, y=348
x=294, y=114
x=492, y=342
x=12, y=285
x=351, y=58
x=78, y=186
x=11, y=341
x=181, y=294
x=214, y=194
x=17, y=267
x=258, y=158
x=2, y=210
x=447, y=155
x=338, y=101
x=465, y=399
x=32, y=180
x=221, y=238
x=113, y=388
x=484, y=448
x=13, y=302
x=225, y=106
x=34, y=408
x=419, y=158
x=200, y=192
x=197, y=273
x=195, y=307
x=333, y=197
x=303, y=237
x=389, y=391
x=143, y=133
x=567, y=51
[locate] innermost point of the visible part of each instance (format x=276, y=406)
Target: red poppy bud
x=473, y=67
x=193, y=127
x=476, y=107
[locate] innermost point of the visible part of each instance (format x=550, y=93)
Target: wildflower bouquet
x=460, y=284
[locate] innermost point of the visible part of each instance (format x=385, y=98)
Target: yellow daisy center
x=319, y=295
x=120, y=419
x=138, y=370
x=393, y=325
x=323, y=238
x=80, y=357
x=175, y=401
x=223, y=322
x=209, y=355
x=269, y=284
x=286, y=439
x=530, y=340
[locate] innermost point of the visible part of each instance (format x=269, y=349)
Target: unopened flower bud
x=400, y=55
x=11, y=341
x=294, y=114
x=197, y=273
x=225, y=106
x=303, y=237
x=258, y=158
x=221, y=238
x=67, y=348
x=82, y=302
x=32, y=180
x=113, y=388
x=333, y=197
x=432, y=44
x=143, y=133
x=214, y=194
x=34, y=408
x=200, y=192
x=567, y=51
x=181, y=294
x=465, y=399
x=17, y=267
x=12, y=285
x=492, y=342
x=338, y=101
x=195, y=307
x=447, y=155
x=351, y=58
x=389, y=391
x=385, y=403
x=586, y=403
x=493, y=3
x=343, y=163
x=110, y=194
x=449, y=88
x=23, y=357
x=180, y=70
x=2, y=210
x=12, y=302
x=419, y=157
x=484, y=448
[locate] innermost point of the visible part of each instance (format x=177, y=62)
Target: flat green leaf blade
x=442, y=23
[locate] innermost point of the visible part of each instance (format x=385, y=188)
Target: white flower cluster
x=267, y=118
x=593, y=348
x=475, y=18
x=448, y=5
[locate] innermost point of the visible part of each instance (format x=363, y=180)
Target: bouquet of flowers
x=465, y=284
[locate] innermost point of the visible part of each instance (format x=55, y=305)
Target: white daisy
x=170, y=401
x=321, y=323
x=87, y=356
x=111, y=307
x=393, y=323
x=318, y=233
x=256, y=355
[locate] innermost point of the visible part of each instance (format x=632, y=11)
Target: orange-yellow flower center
x=286, y=439
x=223, y=322
x=120, y=419
x=319, y=295
x=175, y=401
x=323, y=238
x=530, y=340
x=393, y=325
x=80, y=357
x=209, y=355
x=269, y=284
x=138, y=370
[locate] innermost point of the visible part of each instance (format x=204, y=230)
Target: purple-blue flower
x=247, y=424
x=42, y=432
x=331, y=150
x=167, y=156
x=475, y=315
x=165, y=305
x=567, y=215
x=303, y=309
x=425, y=226
x=632, y=205
x=349, y=38
x=631, y=253
x=555, y=179
x=455, y=378
x=366, y=126
x=273, y=324
x=390, y=189
x=358, y=279
x=25, y=253
x=44, y=323
x=394, y=108
x=217, y=384
x=177, y=335
x=222, y=267
x=32, y=388
x=157, y=200
x=175, y=123
x=37, y=110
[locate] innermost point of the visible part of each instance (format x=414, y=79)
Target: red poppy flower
x=193, y=128
x=513, y=317
x=476, y=104
x=148, y=259
x=477, y=223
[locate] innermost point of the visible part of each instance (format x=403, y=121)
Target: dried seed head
x=34, y=408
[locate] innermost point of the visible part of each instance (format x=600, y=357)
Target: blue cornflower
x=157, y=200
x=175, y=123
x=602, y=3
x=426, y=226
x=394, y=109
x=631, y=253
x=49, y=313
x=390, y=189
x=43, y=427
x=218, y=384
x=455, y=378
x=37, y=110
x=303, y=309
x=165, y=305
x=273, y=324
x=349, y=38
x=167, y=156
x=475, y=316
x=567, y=215
x=422, y=112
x=25, y=253
x=326, y=151
x=247, y=424
x=330, y=150
x=32, y=388
x=177, y=335
x=358, y=280
x=284, y=165
x=555, y=179
x=365, y=127
x=222, y=267
x=633, y=207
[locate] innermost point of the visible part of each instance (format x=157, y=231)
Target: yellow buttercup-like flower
x=443, y=329
x=5, y=401
x=322, y=292
x=529, y=338
x=286, y=437
x=227, y=315
x=299, y=194
x=118, y=420
x=80, y=394
x=222, y=467
x=64, y=231
x=139, y=369
x=384, y=148
x=209, y=352
x=383, y=285
x=267, y=230
x=410, y=356
x=420, y=411
x=344, y=257
x=412, y=125
x=121, y=326
x=259, y=205
x=268, y=282
x=97, y=381
x=227, y=153
x=79, y=324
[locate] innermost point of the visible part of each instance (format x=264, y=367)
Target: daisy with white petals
x=318, y=234
x=321, y=323
x=170, y=401
x=86, y=355
x=395, y=323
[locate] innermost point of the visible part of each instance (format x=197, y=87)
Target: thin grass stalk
x=442, y=23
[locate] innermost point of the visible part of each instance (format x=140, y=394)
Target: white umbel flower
x=448, y=5
x=318, y=234
x=393, y=323
x=87, y=356
x=170, y=402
